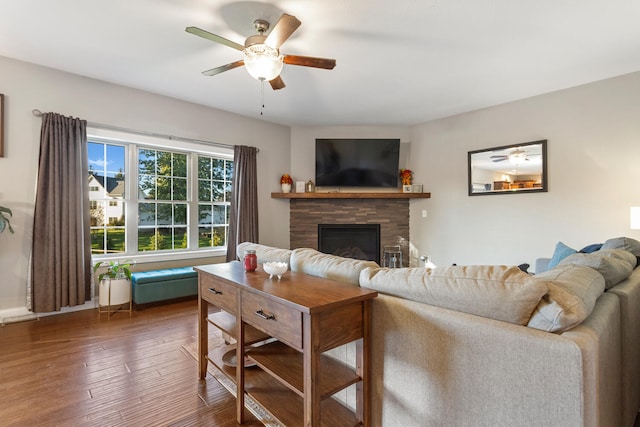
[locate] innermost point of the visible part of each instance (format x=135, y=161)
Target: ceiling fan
x=516, y=156
x=262, y=57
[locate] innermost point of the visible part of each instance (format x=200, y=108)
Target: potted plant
x=5, y=214
x=285, y=182
x=114, y=282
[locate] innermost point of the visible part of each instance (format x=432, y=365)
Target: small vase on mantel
x=285, y=182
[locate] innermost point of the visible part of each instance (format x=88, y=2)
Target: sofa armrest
x=628, y=292
x=599, y=338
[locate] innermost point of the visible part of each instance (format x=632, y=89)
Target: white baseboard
x=14, y=315
x=22, y=314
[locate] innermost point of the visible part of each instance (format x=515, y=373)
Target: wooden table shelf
x=274, y=356
x=228, y=324
x=263, y=387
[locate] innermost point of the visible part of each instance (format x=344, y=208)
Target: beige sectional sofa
x=494, y=346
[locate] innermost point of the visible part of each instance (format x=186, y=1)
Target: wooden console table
x=295, y=319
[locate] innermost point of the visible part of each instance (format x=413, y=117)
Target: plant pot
x=114, y=292
x=286, y=188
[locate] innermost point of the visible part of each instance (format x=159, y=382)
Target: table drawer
x=220, y=294
x=277, y=320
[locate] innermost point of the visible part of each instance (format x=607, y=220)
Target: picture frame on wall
x=1, y=125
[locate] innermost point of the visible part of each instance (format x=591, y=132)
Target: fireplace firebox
x=359, y=241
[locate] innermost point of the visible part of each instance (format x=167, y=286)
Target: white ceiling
x=399, y=62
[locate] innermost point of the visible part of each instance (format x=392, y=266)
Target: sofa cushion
x=573, y=291
x=608, y=263
x=264, y=253
x=561, y=252
x=497, y=292
x=346, y=270
x=625, y=243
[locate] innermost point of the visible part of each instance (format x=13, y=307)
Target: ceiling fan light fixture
x=517, y=157
x=263, y=62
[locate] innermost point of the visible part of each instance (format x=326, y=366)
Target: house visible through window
x=149, y=199
x=107, y=197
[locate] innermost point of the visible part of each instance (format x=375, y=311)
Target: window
x=147, y=199
x=214, y=196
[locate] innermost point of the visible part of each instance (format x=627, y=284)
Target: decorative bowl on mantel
x=275, y=268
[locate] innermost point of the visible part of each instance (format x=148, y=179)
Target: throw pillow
x=591, y=248
x=621, y=254
x=561, y=252
x=573, y=291
x=494, y=291
x=625, y=243
x=614, y=270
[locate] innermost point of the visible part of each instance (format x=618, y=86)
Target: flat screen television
x=357, y=162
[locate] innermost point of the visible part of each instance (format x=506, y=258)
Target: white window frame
x=134, y=141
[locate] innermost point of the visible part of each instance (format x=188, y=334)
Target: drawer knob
x=265, y=316
x=215, y=291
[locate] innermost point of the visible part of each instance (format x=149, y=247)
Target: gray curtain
x=61, y=267
x=243, y=221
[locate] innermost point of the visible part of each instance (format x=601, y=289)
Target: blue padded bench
x=161, y=285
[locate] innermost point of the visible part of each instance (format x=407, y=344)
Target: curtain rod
x=39, y=113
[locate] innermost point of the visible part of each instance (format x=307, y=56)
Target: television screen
x=357, y=162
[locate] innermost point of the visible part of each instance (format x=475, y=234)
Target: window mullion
x=132, y=198
x=192, y=201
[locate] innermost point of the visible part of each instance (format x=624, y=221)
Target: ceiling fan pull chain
x=262, y=95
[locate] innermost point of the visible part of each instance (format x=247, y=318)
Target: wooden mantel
x=350, y=195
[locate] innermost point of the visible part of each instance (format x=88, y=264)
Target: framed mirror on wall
x=510, y=169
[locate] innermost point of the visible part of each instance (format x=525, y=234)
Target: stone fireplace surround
x=391, y=214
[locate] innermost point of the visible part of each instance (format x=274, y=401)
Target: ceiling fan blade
x=283, y=29
x=309, y=61
x=277, y=83
x=223, y=68
x=213, y=37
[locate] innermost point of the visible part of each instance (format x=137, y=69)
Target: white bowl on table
x=275, y=268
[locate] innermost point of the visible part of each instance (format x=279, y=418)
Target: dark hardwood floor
x=80, y=368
